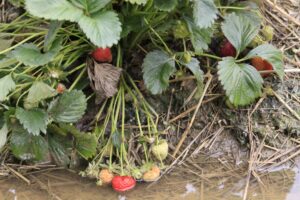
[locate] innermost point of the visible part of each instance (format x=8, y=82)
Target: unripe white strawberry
x=160, y=150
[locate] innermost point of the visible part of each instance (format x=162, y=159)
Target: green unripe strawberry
x=16, y=95
x=180, y=30
x=180, y=74
x=160, y=150
x=187, y=57
x=268, y=33
x=256, y=41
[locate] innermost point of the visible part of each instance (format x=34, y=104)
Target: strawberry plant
x=59, y=55
x=240, y=80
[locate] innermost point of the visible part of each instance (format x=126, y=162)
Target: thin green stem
x=77, y=68
x=243, y=59
x=233, y=8
x=210, y=56
x=22, y=42
x=141, y=130
x=158, y=36
x=77, y=79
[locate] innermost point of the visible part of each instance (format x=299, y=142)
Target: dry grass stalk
x=184, y=135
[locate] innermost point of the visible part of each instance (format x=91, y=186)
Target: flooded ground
x=219, y=183
x=218, y=174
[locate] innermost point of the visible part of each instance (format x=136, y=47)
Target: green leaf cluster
x=26, y=142
x=102, y=27
x=242, y=82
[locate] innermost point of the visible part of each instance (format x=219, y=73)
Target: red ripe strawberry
x=60, y=88
x=261, y=65
x=227, y=49
x=258, y=63
x=123, y=183
x=102, y=55
x=268, y=65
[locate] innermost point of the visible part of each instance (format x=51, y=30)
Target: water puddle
x=184, y=183
x=294, y=192
x=199, y=178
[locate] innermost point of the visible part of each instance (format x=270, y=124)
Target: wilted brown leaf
x=104, y=78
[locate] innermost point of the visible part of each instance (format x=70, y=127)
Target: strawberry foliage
x=52, y=46
x=87, y=14
x=241, y=82
x=157, y=69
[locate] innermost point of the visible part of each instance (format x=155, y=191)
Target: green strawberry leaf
x=69, y=107
x=34, y=120
x=270, y=53
x=157, y=69
x=7, y=84
x=205, y=13
x=3, y=136
x=26, y=146
x=66, y=129
x=103, y=29
x=165, y=5
x=139, y=2
x=86, y=145
x=239, y=31
x=7, y=62
x=60, y=149
x=4, y=42
x=90, y=6
x=54, y=9
x=38, y=92
x=200, y=37
x=96, y=5
x=242, y=82
x=252, y=13
x=194, y=66
x=29, y=54
x=51, y=35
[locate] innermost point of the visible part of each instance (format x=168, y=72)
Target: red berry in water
x=102, y=55
x=227, y=49
x=123, y=183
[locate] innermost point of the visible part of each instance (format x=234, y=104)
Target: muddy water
x=65, y=185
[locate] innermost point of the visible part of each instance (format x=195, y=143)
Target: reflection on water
x=211, y=181
x=294, y=193
x=228, y=182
